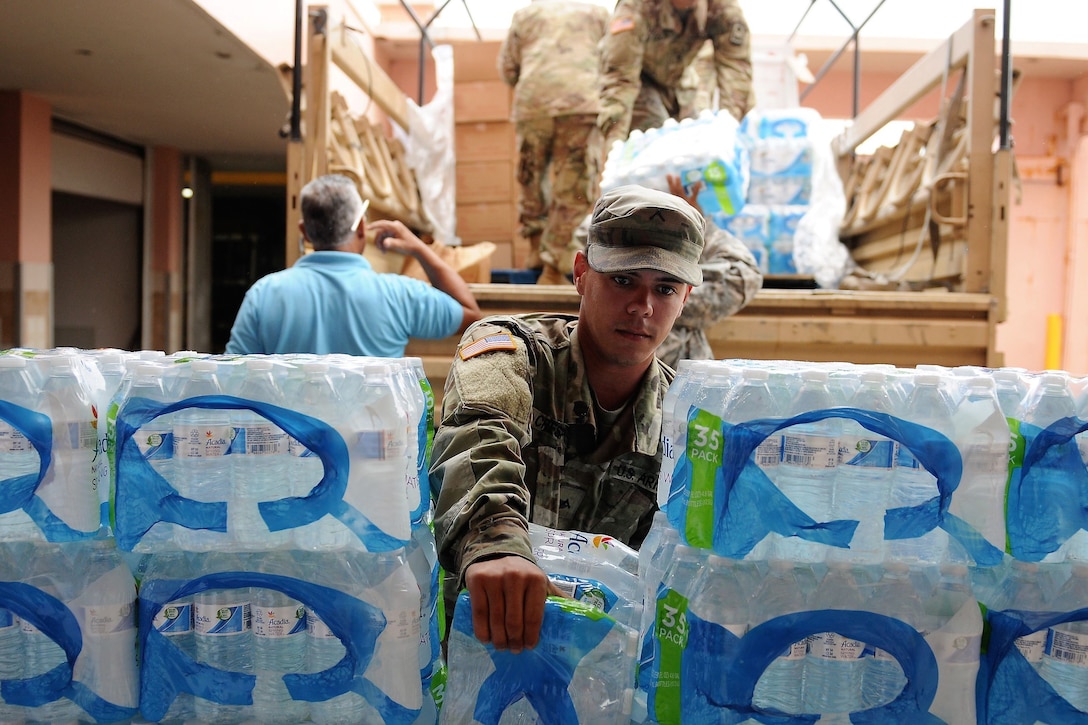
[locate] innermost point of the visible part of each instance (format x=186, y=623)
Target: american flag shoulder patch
x=620, y=25
x=499, y=341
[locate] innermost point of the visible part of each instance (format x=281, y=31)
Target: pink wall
x=25, y=183
x=1044, y=245
x=833, y=96
x=1042, y=241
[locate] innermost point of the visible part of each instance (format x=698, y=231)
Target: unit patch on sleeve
x=738, y=34
x=620, y=25
x=499, y=341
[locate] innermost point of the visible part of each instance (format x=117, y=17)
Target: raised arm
x=394, y=236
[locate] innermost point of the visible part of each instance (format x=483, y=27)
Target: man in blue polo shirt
x=332, y=301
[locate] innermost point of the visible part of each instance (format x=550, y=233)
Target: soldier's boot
x=551, y=275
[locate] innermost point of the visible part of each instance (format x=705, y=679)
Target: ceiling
x=148, y=72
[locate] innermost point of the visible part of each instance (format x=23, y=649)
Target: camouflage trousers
x=559, y=177
x=653, y=105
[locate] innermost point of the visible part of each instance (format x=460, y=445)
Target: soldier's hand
x=507, y=596
x=677, y=189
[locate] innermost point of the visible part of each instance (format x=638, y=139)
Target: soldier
x=649, y=45
x=731, y=279
x=550, y=58
x=556, y=419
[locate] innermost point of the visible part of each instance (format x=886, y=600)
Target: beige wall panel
x=481, y=181
x=476, y=61
x=484, y=141
x=481, y=101
x=485, y=222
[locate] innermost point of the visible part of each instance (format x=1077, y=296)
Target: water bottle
x=810, y=454
x=154, y=439
x=11, y=634
x=1065, y=660
x=279, y=646
x=405, y=382
x=753, y=399
x=18, y=456
x=982, y=434
x=720, y=597
x=669, y=429
x=202, y=438
x=317, y=397
x=391, y=586
x=68, y=488
x=834, y=664
x=223, y=631
x=954, y=622
x=175, y=619
x=1050, y=402
x=379, y=424
x=670, y=624
x=657, y=563
x=1021, y=590
x=674, y=422
x=106, y=607
x=893, y=596
x=1011, y=390
x=259, y=459
x=780, y=686
x=864, y=476
x=42, y=653
x=323, y=650
x=912, y=484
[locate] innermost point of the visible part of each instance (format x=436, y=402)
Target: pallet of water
x=265, y=452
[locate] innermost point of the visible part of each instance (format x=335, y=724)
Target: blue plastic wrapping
x=1047, y=500
x=143, y=497
x=721, y=500
x=167, y=671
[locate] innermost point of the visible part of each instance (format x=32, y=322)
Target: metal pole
x=296, y=78
x=857, y=74
x=1006, y=77
x=803, y=16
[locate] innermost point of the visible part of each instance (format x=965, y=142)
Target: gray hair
x=331, y=205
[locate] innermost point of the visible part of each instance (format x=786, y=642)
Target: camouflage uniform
x=731, y=278
x=521, y=440
x=550, y=58
x=648, y=47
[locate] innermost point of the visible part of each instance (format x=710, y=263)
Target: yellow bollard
x=1053, y=342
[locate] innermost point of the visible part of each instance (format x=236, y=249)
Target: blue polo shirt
x=334, y=302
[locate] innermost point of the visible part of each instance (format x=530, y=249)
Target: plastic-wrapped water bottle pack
x=202, y=448
x=821, y=462
x=706, y=149
x=740, y=641
x=67, y=633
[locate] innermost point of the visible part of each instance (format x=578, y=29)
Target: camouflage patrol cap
x=634, y=227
